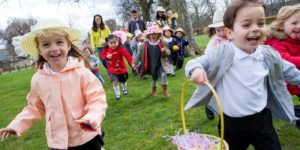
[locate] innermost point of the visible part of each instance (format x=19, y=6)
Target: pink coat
x=215, y=40
x=74, y=93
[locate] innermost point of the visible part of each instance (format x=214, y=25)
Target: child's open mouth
x=253, y=40
x=54, y=56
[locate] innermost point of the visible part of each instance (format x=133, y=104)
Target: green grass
x=138, y=121
x=202, y=40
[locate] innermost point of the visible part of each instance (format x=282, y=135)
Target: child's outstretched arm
x=95, y=97
x=24, y=120
x=291, y=73
x=196, y=68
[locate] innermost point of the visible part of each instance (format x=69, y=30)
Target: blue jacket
x=219, y=59
x=94, y=59
x=181, y=43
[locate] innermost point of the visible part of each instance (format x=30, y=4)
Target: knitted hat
x=137, y=33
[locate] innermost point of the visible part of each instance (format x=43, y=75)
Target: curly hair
x=284, y=13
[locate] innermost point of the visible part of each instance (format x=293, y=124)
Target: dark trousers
x=255, y=129
x=93, y=144
x=104, y=63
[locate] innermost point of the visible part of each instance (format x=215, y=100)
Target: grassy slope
x=137, y=121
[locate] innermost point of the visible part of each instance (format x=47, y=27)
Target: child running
x=218, y=36
x=62, y=89
x=216, y=31
x=249, y=79
x=94, y=62
x=114, y=54
x=285, y=38
x=181, y=42
x=153, y=55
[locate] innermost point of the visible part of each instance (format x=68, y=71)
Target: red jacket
x=116, y=64
x=289, y=49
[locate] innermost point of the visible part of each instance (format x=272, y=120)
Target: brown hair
x=284, y=13
x=89, y=48
x=74, y=51
x=102, y=25
x=211, y=32
x=233, y=8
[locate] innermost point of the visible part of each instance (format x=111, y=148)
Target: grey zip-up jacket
x=220, y=58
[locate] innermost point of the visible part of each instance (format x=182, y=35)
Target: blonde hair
x=283, y=14
x=74, y=51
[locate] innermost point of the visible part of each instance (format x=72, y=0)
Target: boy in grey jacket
x=249, y=78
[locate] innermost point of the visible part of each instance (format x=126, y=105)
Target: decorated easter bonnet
x=122, y=35
x=160, y=9
x=154, y=29
x=217, y=20
x=180, y=30
x=28, y=41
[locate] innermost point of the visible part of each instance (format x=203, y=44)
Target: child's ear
x=229, y=33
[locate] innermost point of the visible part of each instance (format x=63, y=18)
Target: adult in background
x=161, y=18
x=136, y=23
x=98, y=34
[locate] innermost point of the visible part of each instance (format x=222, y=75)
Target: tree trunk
x=185, y=22
x=146, y=7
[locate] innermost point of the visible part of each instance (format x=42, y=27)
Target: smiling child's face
x=248, y=28
x=292, y=25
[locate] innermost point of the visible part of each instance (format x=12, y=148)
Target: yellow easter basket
x=221, y=144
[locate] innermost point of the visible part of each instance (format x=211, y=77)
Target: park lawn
x=138, y=121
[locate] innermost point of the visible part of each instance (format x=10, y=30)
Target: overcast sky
x=82, y=13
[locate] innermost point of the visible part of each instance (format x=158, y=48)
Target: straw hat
x=217, y=20
x=180, y=30
x=160, y=9
x=28, y=43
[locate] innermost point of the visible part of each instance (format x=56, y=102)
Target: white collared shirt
x=243, y=90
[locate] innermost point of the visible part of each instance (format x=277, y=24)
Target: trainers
x=125, y=92
x=209, y=114
x=118, y=97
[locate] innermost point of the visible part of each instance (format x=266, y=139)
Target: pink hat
x=154, y=29
x=122, y=35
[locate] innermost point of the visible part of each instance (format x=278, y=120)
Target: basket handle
x=218, y=103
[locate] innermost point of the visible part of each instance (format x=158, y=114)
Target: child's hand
x=163, y=49
x=133, y=66
x=88, y=125
x=199, y=75
x=101, y=41
x=5, y=132
x=109, y=56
